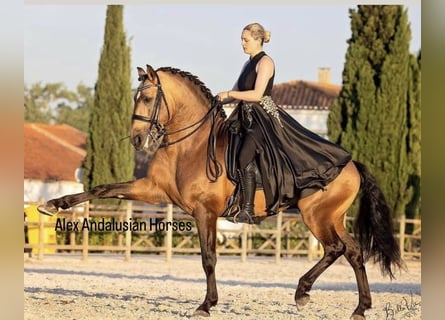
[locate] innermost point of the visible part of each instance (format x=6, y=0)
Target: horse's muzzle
x=138, y=141
x=150, y=142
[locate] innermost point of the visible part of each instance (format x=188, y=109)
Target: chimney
x=324, y=75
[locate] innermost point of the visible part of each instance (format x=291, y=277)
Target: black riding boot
x=248, y=186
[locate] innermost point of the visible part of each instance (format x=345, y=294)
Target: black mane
x=192, y=78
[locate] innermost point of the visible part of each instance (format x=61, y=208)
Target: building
x=52, y=160
x=308, y=102
x=52, y=156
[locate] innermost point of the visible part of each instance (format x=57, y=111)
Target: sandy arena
x=147, y=287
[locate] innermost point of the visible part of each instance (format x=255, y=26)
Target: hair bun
x=266, y=36
x=258, y=32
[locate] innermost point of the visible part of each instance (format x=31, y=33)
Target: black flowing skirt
x=289, y=157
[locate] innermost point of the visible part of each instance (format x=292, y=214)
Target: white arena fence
x=137, y=228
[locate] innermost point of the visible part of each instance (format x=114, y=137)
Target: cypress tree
x=370, y=116
x=109, y=159
x=414, y=138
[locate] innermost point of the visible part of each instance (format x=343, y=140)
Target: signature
x=407, y=308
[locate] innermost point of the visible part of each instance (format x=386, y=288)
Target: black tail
x=373, y=227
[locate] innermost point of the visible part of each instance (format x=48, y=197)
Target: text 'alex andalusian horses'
x=177, y=119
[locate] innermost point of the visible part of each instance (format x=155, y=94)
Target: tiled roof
x=299, y=94
x=52, y=152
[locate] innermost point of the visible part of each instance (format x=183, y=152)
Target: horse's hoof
x=303, y=300
x=201, y=313
x=47, y=209
x=357, y=317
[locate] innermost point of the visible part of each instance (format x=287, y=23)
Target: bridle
x=158, y=132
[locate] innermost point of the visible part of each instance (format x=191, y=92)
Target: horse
x=178, y=121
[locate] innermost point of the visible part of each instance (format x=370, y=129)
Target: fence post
x=278, y=237
x=244, y=243
x=311, y=245
x=249, y=239
x=73, y=233
x=128, y=231
x=288, y=243
x=169, y=234
x=41, y=237
x=85, y=233
x=402, y=226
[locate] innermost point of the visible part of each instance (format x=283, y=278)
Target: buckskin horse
x=179, y=122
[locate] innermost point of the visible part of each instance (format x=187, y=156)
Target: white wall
x=34, y=190
x=314, y=120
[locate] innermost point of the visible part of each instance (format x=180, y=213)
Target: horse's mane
x=194, y=79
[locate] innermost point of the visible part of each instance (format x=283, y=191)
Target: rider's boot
x=246, y=213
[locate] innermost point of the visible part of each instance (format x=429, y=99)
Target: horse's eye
x=146, y=100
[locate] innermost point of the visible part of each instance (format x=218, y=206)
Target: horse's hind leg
x=355, y=258
x=333, y=248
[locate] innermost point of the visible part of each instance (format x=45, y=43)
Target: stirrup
x=243, y=216
x=231, y=211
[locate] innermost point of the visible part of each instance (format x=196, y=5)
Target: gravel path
x=147, y=287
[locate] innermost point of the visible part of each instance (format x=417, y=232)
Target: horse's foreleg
x=206, y=224
x=141, y=189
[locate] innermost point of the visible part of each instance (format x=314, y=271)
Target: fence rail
x=169, y=231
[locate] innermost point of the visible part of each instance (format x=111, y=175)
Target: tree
x=41, y=100
x=414, y=137
x=54, y=103
x=79, y=115
x=370, y=117
x=109, y=159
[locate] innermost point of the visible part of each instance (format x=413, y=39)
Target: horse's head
x=151, y=112
x=161, y=120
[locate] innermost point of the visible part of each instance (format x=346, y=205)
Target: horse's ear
x=141, y=73
x=151, y=73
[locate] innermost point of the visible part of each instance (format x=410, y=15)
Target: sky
x=62, y=43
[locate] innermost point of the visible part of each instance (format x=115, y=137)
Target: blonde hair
x=258, y=32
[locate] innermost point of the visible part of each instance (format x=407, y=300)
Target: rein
x=213, y=167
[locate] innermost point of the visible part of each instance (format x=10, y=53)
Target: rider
x=289, y=157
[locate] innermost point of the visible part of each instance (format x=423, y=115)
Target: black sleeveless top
x=246, y=80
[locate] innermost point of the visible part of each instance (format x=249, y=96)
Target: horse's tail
x=373, y=227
